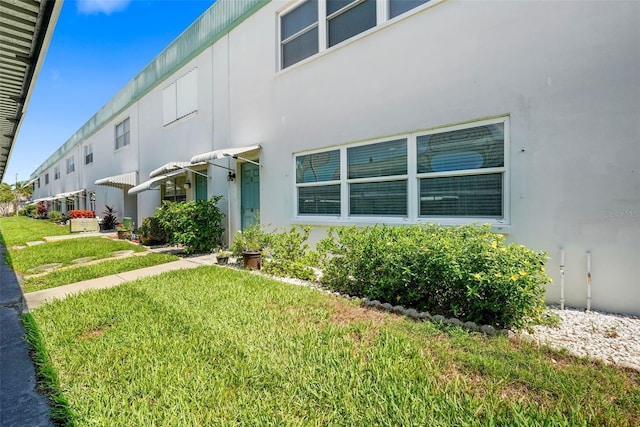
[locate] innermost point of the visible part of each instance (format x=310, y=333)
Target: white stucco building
x=524, y=115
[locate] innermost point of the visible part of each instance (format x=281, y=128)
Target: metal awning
x=173, y=166
x=28, y=183
x=69, y=194
x=27, y=27
x=153, y=182
x=44, y=199
x=129, y=179
x=225, y=152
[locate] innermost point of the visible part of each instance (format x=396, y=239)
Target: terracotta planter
x=252, y=260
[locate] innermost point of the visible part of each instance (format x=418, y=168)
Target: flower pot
x=124, y=234
x=222, y=260
x=252, y=260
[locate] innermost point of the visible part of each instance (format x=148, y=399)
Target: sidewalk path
x=36, y=299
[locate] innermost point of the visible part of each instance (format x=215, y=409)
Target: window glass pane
x=173, y=189
x=397, y=7
x=336, y=5
x=378, y=198
x=474, y=148
x=303, y=46
x=321, y=200
x=352, y=22
x=381, y=159
x=318, y=167
x=462, y=196
x=298, y=19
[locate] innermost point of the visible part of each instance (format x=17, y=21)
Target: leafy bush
x=54, y=216
x=152, y=233
x=468, y=272
x=196, y=225
x=41, y=210
x=252, y=239
x=288, y=254
x=109, y=219
x=80, y=213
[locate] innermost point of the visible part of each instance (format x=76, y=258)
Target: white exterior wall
x=565, y=73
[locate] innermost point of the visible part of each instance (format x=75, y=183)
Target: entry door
x=249, y=194
x=201, y=187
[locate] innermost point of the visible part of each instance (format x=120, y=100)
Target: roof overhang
x=125, y=180
x=225, y=152
x=68, y=194
x=172, y=167
x=153, y=182
x=27, y=27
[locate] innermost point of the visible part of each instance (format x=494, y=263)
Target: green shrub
x=468, y=272
x=253, y=239
x=41, y=210
x=195, y=225
x=152, y=233
x=288, y=254
x=54, y=216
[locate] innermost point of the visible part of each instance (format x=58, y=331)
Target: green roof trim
x=222, y=17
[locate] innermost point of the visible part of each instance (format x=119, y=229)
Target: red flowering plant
x=81, y=213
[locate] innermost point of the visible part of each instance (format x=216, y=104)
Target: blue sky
x=97, y=47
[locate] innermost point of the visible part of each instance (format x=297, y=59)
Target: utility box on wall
x=84, y=224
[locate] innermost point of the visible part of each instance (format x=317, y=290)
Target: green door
x=201, y=188
x=249, y=194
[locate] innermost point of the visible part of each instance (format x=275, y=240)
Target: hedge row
x=467, y=272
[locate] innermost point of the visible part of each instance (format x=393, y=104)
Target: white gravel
x=612, y=338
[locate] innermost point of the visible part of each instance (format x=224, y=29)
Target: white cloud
x=90, y=7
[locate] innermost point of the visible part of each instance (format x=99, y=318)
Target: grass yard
x=216, y=346
x=105, y=268
x=21, y=229
x=65, y=251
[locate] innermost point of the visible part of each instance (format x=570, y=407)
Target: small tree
x=109, y=220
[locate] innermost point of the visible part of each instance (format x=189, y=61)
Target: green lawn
x=105, y=268
x=65, y=251
x=21, y=229
x=215, y=346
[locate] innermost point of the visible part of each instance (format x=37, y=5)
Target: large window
x=122, y=134
x=71, y=165
x=312, y=26
x=88, y=154
x=173, y=189
x=457, y=174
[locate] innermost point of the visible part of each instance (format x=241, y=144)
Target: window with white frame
x=456, y=174
x=88, y=154
x=180, y=98
x=311, y=26
x=56, y=172
x=122, y=134
x=71, y=165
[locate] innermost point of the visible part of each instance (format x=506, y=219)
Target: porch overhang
x=153, y=182
x=172, y=167
x=68, y=194
x=122, y=181
x=224, y=152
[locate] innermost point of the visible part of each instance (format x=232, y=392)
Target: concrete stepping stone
x=122, y=253
x=81, y=260
x=36, y=243
x=45, y=267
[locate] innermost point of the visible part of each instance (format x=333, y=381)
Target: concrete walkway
x=36, y=299
x=20, y=403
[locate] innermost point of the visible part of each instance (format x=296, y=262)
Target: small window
x=71, y=165
x=122, y=134
x=88, y=154
x=318, y=180
x=56, y=172
x=346, y=19
x=46, y=179
x=299, y=33
x=38, y=182
x=173, y=189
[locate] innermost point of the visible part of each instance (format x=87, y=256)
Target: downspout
x=588, y=281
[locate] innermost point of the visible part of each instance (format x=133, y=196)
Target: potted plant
x=222, y=256
x=249, y=243
x=124, y=233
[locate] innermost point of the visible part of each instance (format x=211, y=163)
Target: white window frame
x=88, y=151
x=56, y=172
x=126, y=141
x=412, y=178
x=71, y=165
x=382, y=19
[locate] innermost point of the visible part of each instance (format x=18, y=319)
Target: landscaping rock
x=471, y=326
x=398, y=309
x=437, y=318
x=412, y=313
x=424, y=315
x=488, y=329
x=453, y=322
x=386, y=306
